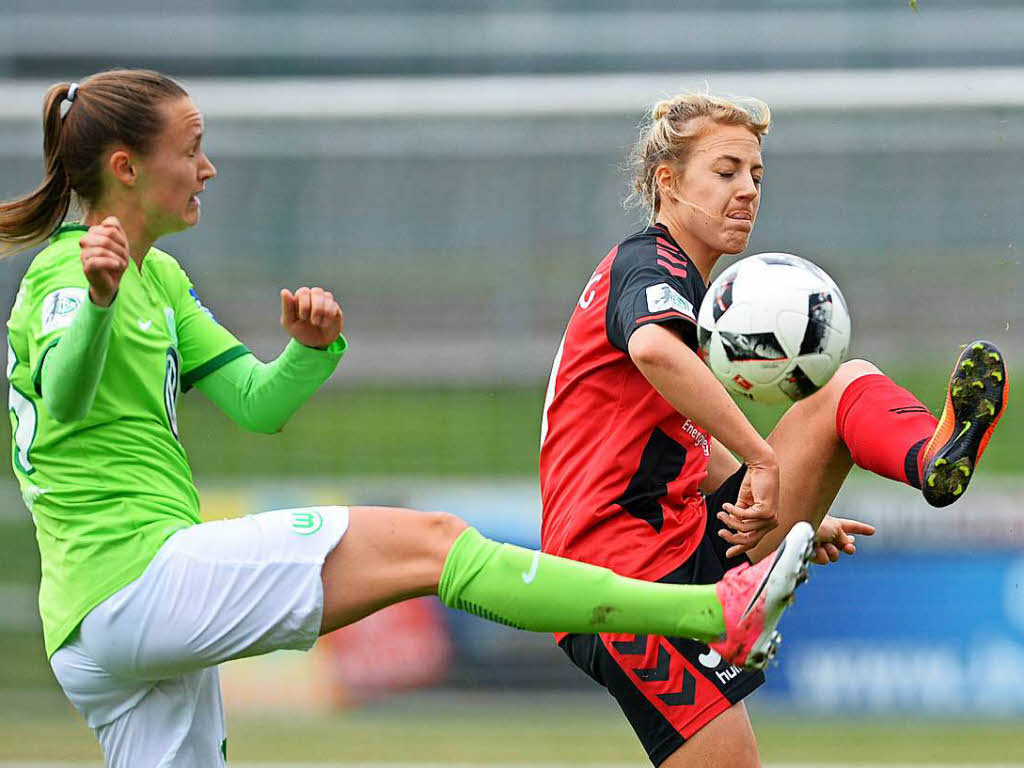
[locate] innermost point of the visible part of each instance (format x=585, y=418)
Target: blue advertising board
x=939, y=632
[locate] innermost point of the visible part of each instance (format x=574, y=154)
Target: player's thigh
x=178, y=724
x=178, y=721
x=669, y=689
x=726, y=742
x=813, y=460
x=387, y=555
x=218, y=591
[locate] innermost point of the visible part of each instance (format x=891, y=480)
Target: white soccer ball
x=773, y=327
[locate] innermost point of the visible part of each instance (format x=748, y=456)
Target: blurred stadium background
x=453, y=171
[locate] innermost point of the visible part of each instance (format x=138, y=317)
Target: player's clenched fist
x=104, y=259
x=311, y=316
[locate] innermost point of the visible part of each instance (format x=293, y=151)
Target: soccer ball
x=773, y=327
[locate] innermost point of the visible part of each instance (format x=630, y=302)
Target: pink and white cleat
x=754, y=597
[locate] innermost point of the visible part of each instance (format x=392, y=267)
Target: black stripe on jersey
x=661, y=462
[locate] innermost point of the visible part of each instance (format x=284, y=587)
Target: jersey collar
x=67, y=230
x=664, y=230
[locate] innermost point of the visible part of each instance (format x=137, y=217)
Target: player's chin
x=734, y=242
x=186, y=221
x=190, y=216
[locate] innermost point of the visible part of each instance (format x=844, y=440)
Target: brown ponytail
x=115, y=107
x=28, y=220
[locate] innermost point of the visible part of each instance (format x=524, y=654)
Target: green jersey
x=106, y=492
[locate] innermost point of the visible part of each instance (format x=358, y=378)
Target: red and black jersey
x=619, y=466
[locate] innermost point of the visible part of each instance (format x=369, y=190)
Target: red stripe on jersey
x=673, y=257
x=663, y=243
x=660, y=315
x=671, y=269
x=673, y=686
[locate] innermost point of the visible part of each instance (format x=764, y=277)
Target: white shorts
x=141, y=668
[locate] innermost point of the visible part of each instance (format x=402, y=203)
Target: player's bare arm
x=685, y=382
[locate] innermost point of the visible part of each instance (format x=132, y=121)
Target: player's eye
x=757, y=181
x=726, y=174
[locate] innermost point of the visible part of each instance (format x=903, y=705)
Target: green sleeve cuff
x=336, y=348
x=312, y=360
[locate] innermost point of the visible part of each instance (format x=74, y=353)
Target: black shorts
x=671, y=687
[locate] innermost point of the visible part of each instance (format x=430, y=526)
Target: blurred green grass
x=494, y=728
x=386, y=430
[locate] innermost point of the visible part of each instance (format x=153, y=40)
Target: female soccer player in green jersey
x=139, y=601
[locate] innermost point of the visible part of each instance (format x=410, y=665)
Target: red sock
x=884, y=427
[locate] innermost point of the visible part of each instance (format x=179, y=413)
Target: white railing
x=582, y=95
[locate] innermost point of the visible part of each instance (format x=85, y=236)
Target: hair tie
x=72, y=92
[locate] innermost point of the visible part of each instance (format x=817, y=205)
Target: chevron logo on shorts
x=306, y=521
x=660, y=672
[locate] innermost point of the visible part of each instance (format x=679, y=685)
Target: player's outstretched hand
x=755, y=512
x=836, y=535
x=311, y=316
x=105, y=257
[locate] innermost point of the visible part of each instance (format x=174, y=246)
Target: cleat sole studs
x=958, y=490
x=966, y=470
x=931, y=480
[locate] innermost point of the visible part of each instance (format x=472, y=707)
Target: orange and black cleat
x=974, y=402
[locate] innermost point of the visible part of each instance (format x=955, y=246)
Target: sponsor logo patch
x=663, y=297
x=59, y=308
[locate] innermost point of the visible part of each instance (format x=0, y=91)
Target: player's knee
x=854, y=369
x=827, y=398
x=440, y=530
x=749, y=757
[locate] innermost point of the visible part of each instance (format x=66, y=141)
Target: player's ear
x=665, y=177
x=122, y=167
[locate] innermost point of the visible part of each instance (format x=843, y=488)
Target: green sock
x=531, y=590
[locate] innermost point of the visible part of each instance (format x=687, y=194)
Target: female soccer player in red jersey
x=637, y=469
x=139, y=600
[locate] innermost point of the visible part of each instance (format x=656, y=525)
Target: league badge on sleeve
x=60, y=306
x=664, y=298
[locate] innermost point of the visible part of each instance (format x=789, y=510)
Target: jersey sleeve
x=47, y=303
x=203, y=343
x=645, y=291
